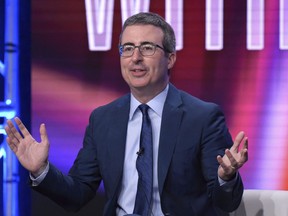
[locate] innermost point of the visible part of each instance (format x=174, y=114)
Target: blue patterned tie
x=144, y=165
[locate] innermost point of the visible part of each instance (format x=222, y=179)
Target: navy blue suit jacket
x=193, y=133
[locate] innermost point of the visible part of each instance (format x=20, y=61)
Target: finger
x=11, y=144
x=238, y=139
x=244, y=155
x=233, y=162
x=228, y=169
x=12, y=141
x=245, y=146
x=22, y=127
x=8, y=131
x=12, y=132
x=244, y=151
x=221, y=162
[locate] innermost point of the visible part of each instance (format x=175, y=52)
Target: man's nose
x=137, y=56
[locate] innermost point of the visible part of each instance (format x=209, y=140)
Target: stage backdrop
x=233, y=53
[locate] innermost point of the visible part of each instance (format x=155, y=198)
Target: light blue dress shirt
x=128, y=191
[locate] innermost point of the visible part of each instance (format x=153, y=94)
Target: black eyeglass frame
x=139, y=48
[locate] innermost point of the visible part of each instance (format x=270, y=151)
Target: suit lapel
x=171, y=120
x=116, y=148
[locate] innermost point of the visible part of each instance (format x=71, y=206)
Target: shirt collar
x=156, y=104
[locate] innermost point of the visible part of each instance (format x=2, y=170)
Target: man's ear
x=171, y=60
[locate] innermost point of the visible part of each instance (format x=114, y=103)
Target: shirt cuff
x=228, y=185
x=40, y=178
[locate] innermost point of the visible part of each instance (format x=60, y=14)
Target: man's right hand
x=31, y=154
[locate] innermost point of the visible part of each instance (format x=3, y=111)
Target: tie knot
x=144, y=108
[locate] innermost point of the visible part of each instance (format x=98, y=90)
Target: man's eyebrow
x=143, y=42
x=128, y=43
x=146, y=42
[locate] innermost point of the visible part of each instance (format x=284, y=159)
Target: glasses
x=145, y=49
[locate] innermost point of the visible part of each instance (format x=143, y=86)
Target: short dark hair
x=148, y=18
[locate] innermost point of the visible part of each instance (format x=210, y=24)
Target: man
x=195, y=162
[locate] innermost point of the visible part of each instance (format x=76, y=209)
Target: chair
x=263, y=203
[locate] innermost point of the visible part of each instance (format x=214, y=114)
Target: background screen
x=233, y=53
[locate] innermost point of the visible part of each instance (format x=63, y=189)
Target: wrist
x=39, y=171
x=227, y=177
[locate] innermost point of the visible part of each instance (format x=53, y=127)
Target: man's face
x=147, y=74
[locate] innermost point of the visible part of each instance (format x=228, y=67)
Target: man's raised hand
x=31, y=154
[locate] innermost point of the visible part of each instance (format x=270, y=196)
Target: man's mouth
x=138, y=72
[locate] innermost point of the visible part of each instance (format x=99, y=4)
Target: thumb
x=43, y=133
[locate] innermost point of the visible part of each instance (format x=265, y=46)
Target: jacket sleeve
x=216, y=138
x=74, y=190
